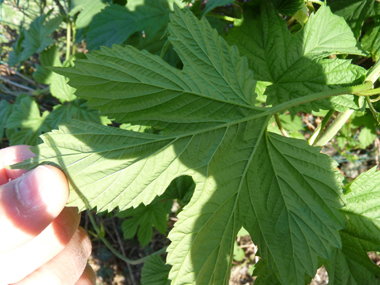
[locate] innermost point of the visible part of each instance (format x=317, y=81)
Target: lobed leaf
x=285, y=193
x=355, y=12
x=155, y=272
x=37, y=37
x=150, y=16
x=351, y=264
x=371, y=41
x=211, y=4
x=294, y=63
x=26, y=122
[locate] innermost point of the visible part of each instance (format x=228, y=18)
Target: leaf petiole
x=279, y=125
x=113, y=250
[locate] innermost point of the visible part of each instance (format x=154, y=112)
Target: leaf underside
x=296, y=64
x=284, y=192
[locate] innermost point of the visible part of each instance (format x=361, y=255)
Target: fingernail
x=34, y=189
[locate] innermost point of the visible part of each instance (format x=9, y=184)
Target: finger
x=18, y=263
x=29, y=204
x=65, y=268
x=88, y=277
x=12, y=155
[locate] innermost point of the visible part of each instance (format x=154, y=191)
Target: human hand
x=40, y=241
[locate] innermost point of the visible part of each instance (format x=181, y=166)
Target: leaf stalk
x=113, y=250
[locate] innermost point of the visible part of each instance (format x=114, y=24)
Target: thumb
x=29, y=204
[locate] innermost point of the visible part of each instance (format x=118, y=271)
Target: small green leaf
x=287, y=7
x=238, y=252
x=88, y=9
x=295, y=64
x=155, y=272
x=75, y=109
x=5, y=112
x=181, y=188
x=355, y=12
x=58, y=86
x=28, y=122
x=37, y=37
x=371, y=41
x=351, y=264
x=49, y=57
x=150, y=16
x=14, y=56
x=211, y=4
x=368, y=132
x=144, y=218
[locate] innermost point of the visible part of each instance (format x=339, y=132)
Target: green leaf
x=351, y=264
x=137, y=128
x=14, y=56
x=75, y=109
x=58, y=83
x=155, y=272
x=5, y=112
x=150, y=16
x=287, y=7
x=26, y=117
x=355, y=12
x=368, y=132
x=211, y=4
x=181, y=188
x=265, y=276
x=37, y=37
x=238, y=252
x=88, y=9
x=144, y=218
x=49, y=57
x=284, y=192
x=60, y=89
x=371, y=41
x=295, y=64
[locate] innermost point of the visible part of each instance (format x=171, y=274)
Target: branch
x=17, y=85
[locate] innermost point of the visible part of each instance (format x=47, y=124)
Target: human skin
x=40, y=241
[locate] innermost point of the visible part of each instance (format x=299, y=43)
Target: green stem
x=68, y=33
x=373, y=110
x=320, y=127
x=113, y=250
x=165, y=48
x=374, y=73
x=68, y=38
x=279, y=125
x=74, y=33
x=321, y=95
x=369, y=92
x=315, y=1
x=226, y=18
x=332, y=130
x=375, y=100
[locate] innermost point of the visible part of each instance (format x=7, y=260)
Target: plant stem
x=369, y=92
x=335, y=126
x=374, y=73
x=321, y=126
x=321, y=95
x=74, y=33
x=226, y=18
x=375, y=100
x=68, y=33
x=373, y=110
x=16, y=84
x=316, y=2
x=114, y=251
x=279, y=125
